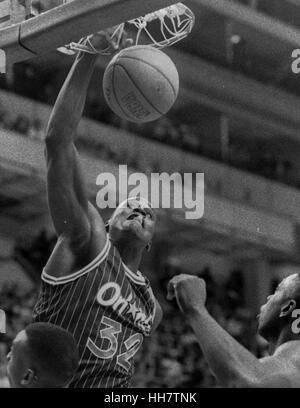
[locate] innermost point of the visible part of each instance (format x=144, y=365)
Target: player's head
x=42, y=356
x=133, y=221
x=276, y=314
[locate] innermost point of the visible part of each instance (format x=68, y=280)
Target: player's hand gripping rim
x=104, y=43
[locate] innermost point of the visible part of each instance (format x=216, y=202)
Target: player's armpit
x=158, y=316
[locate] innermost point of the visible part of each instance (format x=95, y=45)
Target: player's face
x=18, y=360
x=269, y=316
x=133, y=220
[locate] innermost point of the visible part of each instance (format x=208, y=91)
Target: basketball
x=141, y=84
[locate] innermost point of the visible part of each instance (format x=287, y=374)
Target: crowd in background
x=29, y=82
x=171, y=357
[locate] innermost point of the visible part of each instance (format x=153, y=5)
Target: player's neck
x=284, y=336
x=131, y=256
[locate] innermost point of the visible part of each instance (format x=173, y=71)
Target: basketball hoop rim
x=181, y=22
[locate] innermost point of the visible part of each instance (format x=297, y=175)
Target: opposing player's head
x=42, y=356
x=276, y=314
x=133, y=221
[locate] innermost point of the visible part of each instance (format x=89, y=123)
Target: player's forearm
x=70, y=103
x=231, y=363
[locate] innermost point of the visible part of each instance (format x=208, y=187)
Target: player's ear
x=29, y=378
x=148, y=247
x=107, y=226
x=287, y=308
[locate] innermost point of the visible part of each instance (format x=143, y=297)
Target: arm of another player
x=72, y=214
x=231, y=363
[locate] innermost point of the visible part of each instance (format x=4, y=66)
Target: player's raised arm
x=73, y=216
x=232, y=364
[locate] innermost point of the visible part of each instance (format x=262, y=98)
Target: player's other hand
x=189, y=291
x=101, y=42
x=110, y=41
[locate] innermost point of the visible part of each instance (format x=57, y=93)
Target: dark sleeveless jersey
x=108, y=309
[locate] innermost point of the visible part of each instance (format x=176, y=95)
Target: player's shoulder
x=288, y=358
x=283, y=367
x=62, y=268
x=289, y=347
x=284, y=354
x=289, y=352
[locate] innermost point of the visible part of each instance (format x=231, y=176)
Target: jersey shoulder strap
x=51, y=280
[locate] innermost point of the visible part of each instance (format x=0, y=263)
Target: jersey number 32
x=111, y=332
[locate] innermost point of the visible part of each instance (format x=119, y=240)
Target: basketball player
x=91, y=285
x=42, y=356
x=231, y=363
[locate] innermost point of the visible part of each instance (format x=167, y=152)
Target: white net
x=175, y=23
x=160, y=29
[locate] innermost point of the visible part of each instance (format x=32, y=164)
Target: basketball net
x=160, y=29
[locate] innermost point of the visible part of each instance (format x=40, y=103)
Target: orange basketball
x=141, y=83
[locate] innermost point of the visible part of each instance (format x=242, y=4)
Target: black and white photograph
x=149, y=197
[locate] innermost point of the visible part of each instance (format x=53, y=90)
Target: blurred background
x=236, y=120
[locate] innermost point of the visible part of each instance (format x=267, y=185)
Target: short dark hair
x=53, y=353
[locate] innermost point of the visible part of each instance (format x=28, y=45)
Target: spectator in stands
x=21, y=125
x=36, y=131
